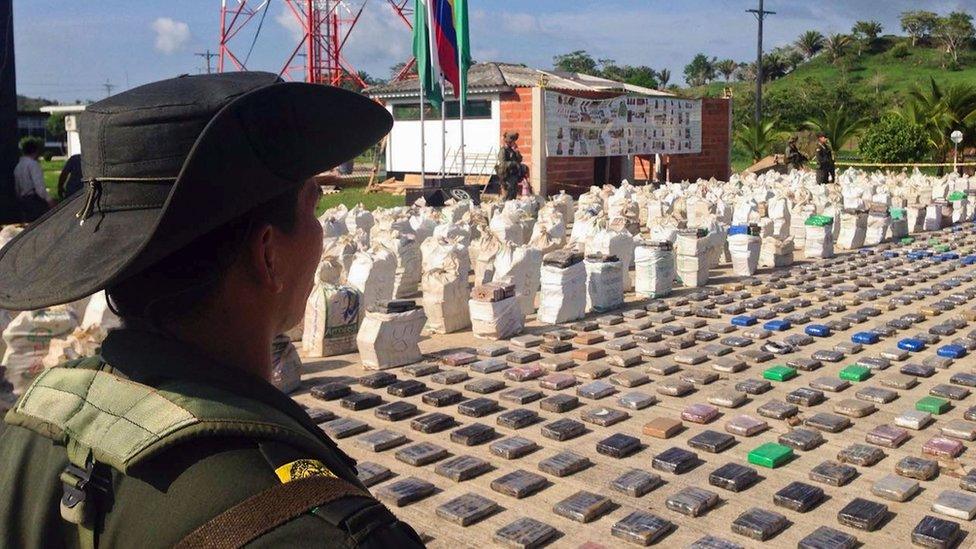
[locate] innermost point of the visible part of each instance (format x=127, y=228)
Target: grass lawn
x=52, y=170
x=350, y=196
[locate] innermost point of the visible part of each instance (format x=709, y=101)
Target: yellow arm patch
x=302, y=468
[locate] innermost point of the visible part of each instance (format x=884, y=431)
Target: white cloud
x=521, y=23
x=171, y=35
x=287, y=20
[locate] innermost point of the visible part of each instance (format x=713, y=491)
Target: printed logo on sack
x=460, y=194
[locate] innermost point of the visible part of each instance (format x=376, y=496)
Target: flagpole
x=423, y=135
x=461, y=97
x=443, y=129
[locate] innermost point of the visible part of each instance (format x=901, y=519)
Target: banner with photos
x=621, y=126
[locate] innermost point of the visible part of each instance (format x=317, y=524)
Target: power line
x=760, y=16
x=208, y=56
x=247, y=57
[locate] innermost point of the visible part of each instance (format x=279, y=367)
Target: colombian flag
x=450, y=32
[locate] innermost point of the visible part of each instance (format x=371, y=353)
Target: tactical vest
x=100, y=417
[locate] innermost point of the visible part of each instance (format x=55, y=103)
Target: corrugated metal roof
x=501, y=77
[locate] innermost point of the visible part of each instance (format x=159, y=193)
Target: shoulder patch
x=302, y=468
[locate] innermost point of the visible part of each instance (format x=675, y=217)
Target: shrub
x=900, y=51
x=894, y=139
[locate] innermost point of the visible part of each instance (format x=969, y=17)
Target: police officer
x=509, y=166
x=198, y=218
x=794, y=158
x=825, y=160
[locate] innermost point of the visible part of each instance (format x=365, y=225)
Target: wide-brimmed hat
x=168, y=162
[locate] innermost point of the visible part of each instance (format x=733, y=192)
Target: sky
x=70, y=50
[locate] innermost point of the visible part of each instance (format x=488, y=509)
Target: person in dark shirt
x=794, y=158
x=825, y=160
x=69, y=182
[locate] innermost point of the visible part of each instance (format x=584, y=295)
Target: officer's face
x=301, y=251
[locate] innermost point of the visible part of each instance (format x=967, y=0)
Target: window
x=474, y=109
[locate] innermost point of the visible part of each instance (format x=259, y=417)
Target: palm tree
x=838, y=125
x=810, y=43
x=836, y=46
x=727, y=68
x=757, y=140
x=664, y=76
x=940, y=110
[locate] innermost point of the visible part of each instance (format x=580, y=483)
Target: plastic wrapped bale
x=618, y=243
x=933, y=217
x=819, y=243
x=372, y=273
x=28, y=339
x=286, y=366
x=496, y=319
x=409, y=266
x=745, y=249
x=776, y=252
x=654, y=269
x=877, y=228
x=853, y=227
x=390, y=339
x=507, y=227
x=359, y=218
x=332, y=316
x=563, y=296
x=899, y=224
x=487, y=248
x=445, y=298
x=604, y=283
x=522, y=266
x=435, y=250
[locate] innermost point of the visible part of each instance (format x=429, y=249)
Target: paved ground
x=896, y=529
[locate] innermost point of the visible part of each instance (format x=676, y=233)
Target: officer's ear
x=261, y=256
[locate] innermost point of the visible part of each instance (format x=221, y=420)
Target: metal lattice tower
x=326, y=26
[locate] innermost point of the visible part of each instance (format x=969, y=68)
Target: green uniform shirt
x=170, y=495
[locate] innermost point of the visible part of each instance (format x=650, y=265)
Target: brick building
x=506, y=97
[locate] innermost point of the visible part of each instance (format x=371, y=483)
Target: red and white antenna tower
x=326, y=26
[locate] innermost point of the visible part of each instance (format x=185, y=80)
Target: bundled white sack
x=372, y=273
x=99, y=315
x=915, y=218
x=497, y=319
x=654, y=269
x=664, y=229
x=423, y=224
x=454, y=210
x=343, y=248
x=611, y=242
x=28, y=339
x=332, y=316
x=563, y=296
x=692, y=270
x=8, y=232
x=933, y=217
x=333, y=222
x=853, y=227
x=457, y=231
x=744, y=249
x=779, y=213
x=545, y=239
x=564, y=205
x=960, y=210
x=877, y=228
x=359, y=218
x=435, y=251
x=388, y=340
x=521, y=265
x=776, y=252
x=604, y=289
x=819, y=242
x=286, y=366
x=508, y=227
x=483, y=256
x=409, y=266
x=445, y=297
x=584, y=225
x=798, y=217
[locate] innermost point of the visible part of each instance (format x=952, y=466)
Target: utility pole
x=760, y=16
x=208, y=56
x=108, y=87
